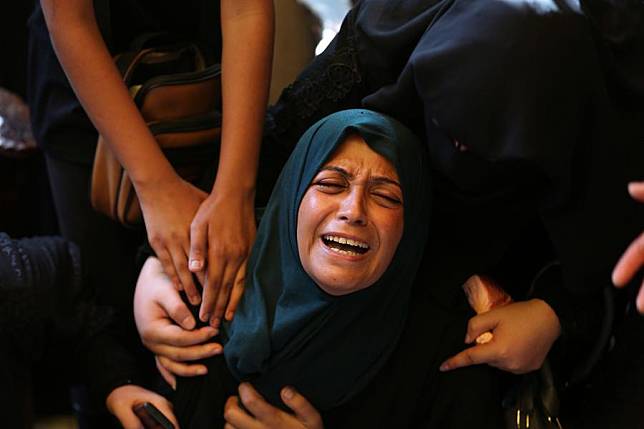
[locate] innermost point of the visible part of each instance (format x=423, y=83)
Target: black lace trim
x=331, y=82
x=334, y=84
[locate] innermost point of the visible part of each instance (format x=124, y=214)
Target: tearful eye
x=329, y=186
x=387, y=200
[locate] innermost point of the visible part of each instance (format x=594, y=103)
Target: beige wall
x=296, y=35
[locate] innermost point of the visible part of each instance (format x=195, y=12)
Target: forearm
x=98, y=85
x=247, y=28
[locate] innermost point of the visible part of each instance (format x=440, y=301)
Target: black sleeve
x=114, y=355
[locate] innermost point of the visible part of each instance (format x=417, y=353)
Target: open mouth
x=345, y=246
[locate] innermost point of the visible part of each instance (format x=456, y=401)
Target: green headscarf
x=288, y=331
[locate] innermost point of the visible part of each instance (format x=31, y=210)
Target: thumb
x=127, y=418
x=479, y=324
x=176, y=309
x=303, y=410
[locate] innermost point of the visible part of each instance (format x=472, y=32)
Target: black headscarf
x=288, y=331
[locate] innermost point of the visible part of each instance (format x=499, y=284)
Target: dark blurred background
x=25, y=203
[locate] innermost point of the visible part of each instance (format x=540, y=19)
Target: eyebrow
x=375, y=179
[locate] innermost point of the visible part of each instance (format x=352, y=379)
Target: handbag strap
x=127, y=62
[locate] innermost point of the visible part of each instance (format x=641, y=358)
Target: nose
x=352, y=207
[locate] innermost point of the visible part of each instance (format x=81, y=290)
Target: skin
x=122, y=399
x=265, y=416
x=523, y=333
x=356, y=195
x=166, y=326
x=633, y=258
x=216, y=230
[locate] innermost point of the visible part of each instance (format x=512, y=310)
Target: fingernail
x=287, y=393
x=202, y=371
x=217, y=350
x=215, y=322
x=444, y=367
x=212, y=331
x=194, y=299
x=229, y=315
x=467, y=339
x=188, y=322
x=205, y=317
x=243, y=391
x=195, y=264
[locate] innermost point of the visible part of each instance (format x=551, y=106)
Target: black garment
x=519, y=130
x=523, y=139
x=46, y=314
x=619, y=30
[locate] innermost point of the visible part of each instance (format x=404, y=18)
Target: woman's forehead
x=355, y=155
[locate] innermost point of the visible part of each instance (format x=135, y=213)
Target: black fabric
x=518, y=123
x=528, y=157
x=619, y=30
x=47, y=317
x=108, y=251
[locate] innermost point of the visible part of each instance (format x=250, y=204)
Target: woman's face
x=350, y=219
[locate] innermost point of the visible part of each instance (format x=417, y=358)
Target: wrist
x=550, y=315
x=154, y=180
x=244, y=192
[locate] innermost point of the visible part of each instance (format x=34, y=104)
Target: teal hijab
x=288, y=331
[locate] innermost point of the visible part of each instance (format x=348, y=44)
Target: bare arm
x=224, y=228
x=168, y=203
x=97, y=83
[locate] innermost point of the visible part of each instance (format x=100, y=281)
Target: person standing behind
x=76, y=92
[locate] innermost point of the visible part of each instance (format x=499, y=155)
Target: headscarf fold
x=288, y=331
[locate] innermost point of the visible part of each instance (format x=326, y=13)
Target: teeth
x=344, y=252
x=348, y=241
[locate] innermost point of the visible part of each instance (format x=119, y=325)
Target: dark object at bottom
x=152, y=417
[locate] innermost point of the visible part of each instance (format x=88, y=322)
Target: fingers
x=630, y=262
x=210, y=292
x=128, y=419
x=176, y=309
x=640, y=299
x=123, y=399
x=168, y=265
x=480, y=324
x=167, y=375
x=255, y=403
x=636, y=189
x=237, y=292
x=483, y=353
x=198, y=240
x=166, y=408
x=181, y=369
x=174, y=335
x=238, y=418
x=184, y=276
x=188, y=354
x=303, y=410
x=228, y=281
